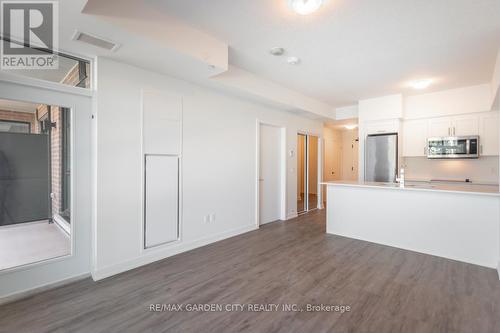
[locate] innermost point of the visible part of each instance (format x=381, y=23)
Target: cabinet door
x=488, y=134
x=380, y=127
x=440, y=127
x=465, y=125
x=415, y=133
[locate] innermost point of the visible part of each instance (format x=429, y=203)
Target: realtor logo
x=29, y=34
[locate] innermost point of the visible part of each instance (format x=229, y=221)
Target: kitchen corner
x=455, y=222
x=443, y=149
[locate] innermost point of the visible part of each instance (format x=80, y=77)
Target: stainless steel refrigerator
x=381, y=157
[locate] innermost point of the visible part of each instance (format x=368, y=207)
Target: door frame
x=319, y=167
x=17, y=281
x=283, y=166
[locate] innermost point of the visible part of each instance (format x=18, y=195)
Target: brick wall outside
x=72, y=78
x=19, y=116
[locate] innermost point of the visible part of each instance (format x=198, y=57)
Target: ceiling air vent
x=95, y=41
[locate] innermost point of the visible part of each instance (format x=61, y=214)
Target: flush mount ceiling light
x=305, y=7
x=421, y=84
x=277, y=51
x=350, y=127
x=293, y=60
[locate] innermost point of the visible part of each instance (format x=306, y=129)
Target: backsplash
x=482, y=170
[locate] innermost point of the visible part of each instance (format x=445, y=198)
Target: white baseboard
x=26, y=293
x=498, y=270
x=292, y=216
x=156, y=254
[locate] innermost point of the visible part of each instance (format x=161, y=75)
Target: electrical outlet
x=212, y=218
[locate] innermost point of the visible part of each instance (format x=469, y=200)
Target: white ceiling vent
x=95, y=41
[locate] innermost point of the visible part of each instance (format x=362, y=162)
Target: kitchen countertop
x=467, y=188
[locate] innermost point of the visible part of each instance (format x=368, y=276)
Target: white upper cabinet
x=380, y=127
x=485, y=124
x=488, y=134
x=465, y=125
x=454, y=126
x=440, y=127
x=415, y=134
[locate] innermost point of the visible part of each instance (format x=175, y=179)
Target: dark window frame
x=18, y=122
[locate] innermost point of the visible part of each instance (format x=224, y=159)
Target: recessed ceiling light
x=421, y=84
x=277, y=51
x=350, y=127
x=293, y=60
x=305, y=7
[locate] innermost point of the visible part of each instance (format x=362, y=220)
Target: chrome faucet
x=401, y=179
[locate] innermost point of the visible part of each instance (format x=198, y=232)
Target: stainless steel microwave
x=454, y=147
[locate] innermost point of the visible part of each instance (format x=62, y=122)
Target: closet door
x=161, y=199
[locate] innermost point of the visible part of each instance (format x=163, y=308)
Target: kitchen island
x=460, y=222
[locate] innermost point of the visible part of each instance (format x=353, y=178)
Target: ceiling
x=353, y=49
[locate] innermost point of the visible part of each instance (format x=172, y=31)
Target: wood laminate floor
x=293, y=262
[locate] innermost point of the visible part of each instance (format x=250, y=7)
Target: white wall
x=218, y=165
x=380, y=108
x=271, y=92
x=482, y=170
x=449, y=102
x=495, y=82
x=346, y=112
x=350, y=155
x=495, y=85
x=378, y=115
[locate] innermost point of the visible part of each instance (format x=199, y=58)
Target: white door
x=350, y=152
x=355, y=159
x=332, y=160
x=270, y=174
x=415, y=134
x=465, y=125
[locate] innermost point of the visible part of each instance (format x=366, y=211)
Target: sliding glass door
x=301, y=173
x=307, y=173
